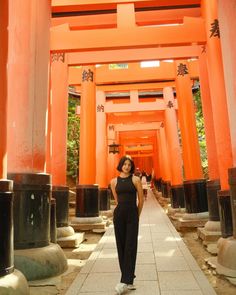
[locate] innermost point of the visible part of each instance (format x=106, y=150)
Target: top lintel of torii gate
x=73, y=5
x=191, y=31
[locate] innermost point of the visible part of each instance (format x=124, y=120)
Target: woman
x=125, y=188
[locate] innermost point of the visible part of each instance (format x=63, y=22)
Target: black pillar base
x=177, y=196
x=32, y=193
x=104, y=199
x=61, y=194
x=110, y=192
x=6, y=228
x=87, y=201
x=157, y=184
x=195, y=196
x=226, y=223
x=166, y=189
x=213, y=186
x=53, y=222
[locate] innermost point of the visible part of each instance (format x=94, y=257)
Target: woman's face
x=126, y=166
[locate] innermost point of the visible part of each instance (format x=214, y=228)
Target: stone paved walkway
x=165, y=266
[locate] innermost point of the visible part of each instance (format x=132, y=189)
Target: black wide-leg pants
x=126, y=223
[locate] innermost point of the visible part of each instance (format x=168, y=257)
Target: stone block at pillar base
x=14, y=284
x=157, y=194
x=192, y=220
x=88, y=223
x=211, y=261
x=163, y=201
x=175, y=212
x=106, y=214
x=226, y=262
x=40, y=263
x=65, y=231
x=210, y=233
x=212, y=248
x=232, y=280
x=72, y=241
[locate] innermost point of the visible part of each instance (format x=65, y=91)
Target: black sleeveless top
x=126, y=191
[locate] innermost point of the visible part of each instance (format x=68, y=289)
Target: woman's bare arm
x=137, y=183
x=113, y=185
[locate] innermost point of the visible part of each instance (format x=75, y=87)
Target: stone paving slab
x=164, y=266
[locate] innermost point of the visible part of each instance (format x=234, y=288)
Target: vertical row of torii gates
x=42, y=44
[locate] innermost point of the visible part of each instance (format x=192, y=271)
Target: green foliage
x=73, y=138
x=201, y=132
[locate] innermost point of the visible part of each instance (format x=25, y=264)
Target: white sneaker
x=131, y=287
x=121, y=288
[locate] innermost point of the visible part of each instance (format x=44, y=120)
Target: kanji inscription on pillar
x=170, y=104
x=111, y=128
x=87, y=76
x=182, y=69
x=162, y=125
x=215, y=29
x=100, y=108
x=58, y=56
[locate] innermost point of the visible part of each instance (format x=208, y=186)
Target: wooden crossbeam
x=192, y=31
x=134, y=73
x=142, y=18
x=133, y=55
x=85, y=5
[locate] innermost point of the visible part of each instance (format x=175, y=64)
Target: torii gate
x=197, y=31
x=133, y=107
x=195, y=24
x=26, y=151
x=28, y=60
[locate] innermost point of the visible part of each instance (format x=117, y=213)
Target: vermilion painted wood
x=187, y=120
x=59, y=114
x=191, y=31
x=3, y=87
x=213, y=168
x=218, y=95
x=87, y=171
x=28, y=64
x=171, y=128
x=227, y=21
x=101, y=141
x=142, y=18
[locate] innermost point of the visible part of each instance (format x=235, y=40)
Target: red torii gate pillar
x=194, y=185
x=7, y=273
x=87, y=192
x=159, y=156
x=112, y=159
x=28, y=87
x=101, y=153
x=223, y=124
x=28, y=70
x=177, y=189
x=217, y=90
x=213, y=184
x=227, y=23
x=165, y=161
x=213, y=169
x=3, y=88
x=57, y=137
x=155, y=159
x=58, y=122
x=101, y=141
